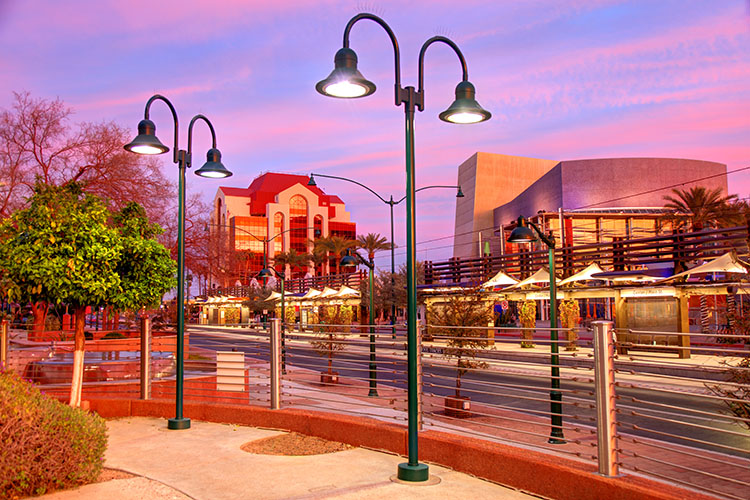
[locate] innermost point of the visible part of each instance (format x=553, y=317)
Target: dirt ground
x=293, y=444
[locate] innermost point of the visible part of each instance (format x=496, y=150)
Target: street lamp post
x=345, y=81
x=522, y=234
x=269, y=272
x=147, y=143
x=391, y=203
x=353, y=260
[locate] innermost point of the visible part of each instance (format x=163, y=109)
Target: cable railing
x=640, y=410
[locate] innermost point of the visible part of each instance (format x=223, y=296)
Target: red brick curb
x=527, y=470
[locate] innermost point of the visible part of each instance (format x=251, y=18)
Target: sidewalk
x=206, y=462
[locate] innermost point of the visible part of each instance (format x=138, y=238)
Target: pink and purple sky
x=564, y=80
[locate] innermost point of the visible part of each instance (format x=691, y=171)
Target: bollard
x=275, y=364
x=604, y=383
x=420, y=388
x=4, y=345
x=145, y=357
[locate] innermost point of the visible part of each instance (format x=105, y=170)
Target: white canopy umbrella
x=500, y=279
x=541, y=276
x=583, y=275
x=273, y=296
x=311, y=294
x=727, y=263
x=327, y=292
x=345, y=292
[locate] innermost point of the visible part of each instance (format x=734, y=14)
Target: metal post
x=555, y=396
x=604, y=382
x=373, y=361
x=420, y=371
x=4, y=345
x=283, y=326
x=412, y=470
x=393, y=276
x=179, y=422
x=145, y=357
x=275, y=363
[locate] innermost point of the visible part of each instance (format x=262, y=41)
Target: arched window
x=278, y=242
x=298, y=223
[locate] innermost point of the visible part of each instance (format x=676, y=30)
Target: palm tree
x=372, y=243
x=335, y=245
x=699, y=206
x=292, y=259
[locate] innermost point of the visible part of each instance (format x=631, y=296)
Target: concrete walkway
x=206, y=462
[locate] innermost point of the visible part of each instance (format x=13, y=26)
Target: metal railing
x=623, y=407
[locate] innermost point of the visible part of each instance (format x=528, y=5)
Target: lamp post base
x=373, y=393
x=178, y=423
x=413, y=473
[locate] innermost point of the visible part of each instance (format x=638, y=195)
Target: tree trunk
x=76, y=384
x=39, y=311
x=330, y=355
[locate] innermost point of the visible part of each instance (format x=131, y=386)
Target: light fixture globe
x=312, y=182
x=348, y=260
x=522, y=233
x=345, y=81
x=459, y=193
x=465, y=109
x=264, y=273
x=213, y=167
x=146, y=142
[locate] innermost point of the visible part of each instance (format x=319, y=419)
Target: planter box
x=458, y=407
x=329, y=378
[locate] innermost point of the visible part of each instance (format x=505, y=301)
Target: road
x=492, y=386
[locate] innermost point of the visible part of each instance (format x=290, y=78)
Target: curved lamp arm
x=426, y=187
x=548, y=240
x=160, y=97
x=352, y=181
x=451, y=44
x=188, y=159
x=396, y=54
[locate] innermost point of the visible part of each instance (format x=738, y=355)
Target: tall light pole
x=522, y=234
x=391, y=203
x=345, y=81
x=146, y=143
x=353, y=259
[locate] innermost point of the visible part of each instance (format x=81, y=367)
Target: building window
x=298, y=224
x=278, y=228
x=249, y=233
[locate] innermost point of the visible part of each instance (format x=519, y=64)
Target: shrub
x=113, y=335
x=45, y=444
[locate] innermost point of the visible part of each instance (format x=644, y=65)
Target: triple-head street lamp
x=345, y=81
x=146, y=143
x=522, y=234
x=391, y=203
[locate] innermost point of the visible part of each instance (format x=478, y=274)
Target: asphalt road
x=501, y=386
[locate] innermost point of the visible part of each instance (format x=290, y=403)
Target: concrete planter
x=458, y=407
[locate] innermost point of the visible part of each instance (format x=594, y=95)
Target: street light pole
x=391, y=204
x=345, y=81
x=522, y=234
x=353, y=260
x=147, y=143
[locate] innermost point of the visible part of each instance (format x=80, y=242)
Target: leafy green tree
x=64, y=248
x=372, y=243
x=336, y=246
x=292, y=259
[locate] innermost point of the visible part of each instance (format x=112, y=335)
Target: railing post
x=4, y=344
x=275, y=363
x=420, y=388
x=145, y=357
x=604, y=382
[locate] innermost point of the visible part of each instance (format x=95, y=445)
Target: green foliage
x=736, y=392
x=113, y=335
x=329, y=338
x=45, y=444
x=455, y=317
x=527, y=315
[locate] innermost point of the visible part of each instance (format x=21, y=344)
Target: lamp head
x=265, y=273
x=146, y=142
x=459, y=193
x=465, y=109
x=345, y=81
x=312, y=182
x=522, y=234
x=348, y=260
x=213, y=167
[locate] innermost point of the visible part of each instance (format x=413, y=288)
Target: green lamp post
x=354, y=259
x=146, y=143
x=345, y=81
x=391, y=203
x=522, y=234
